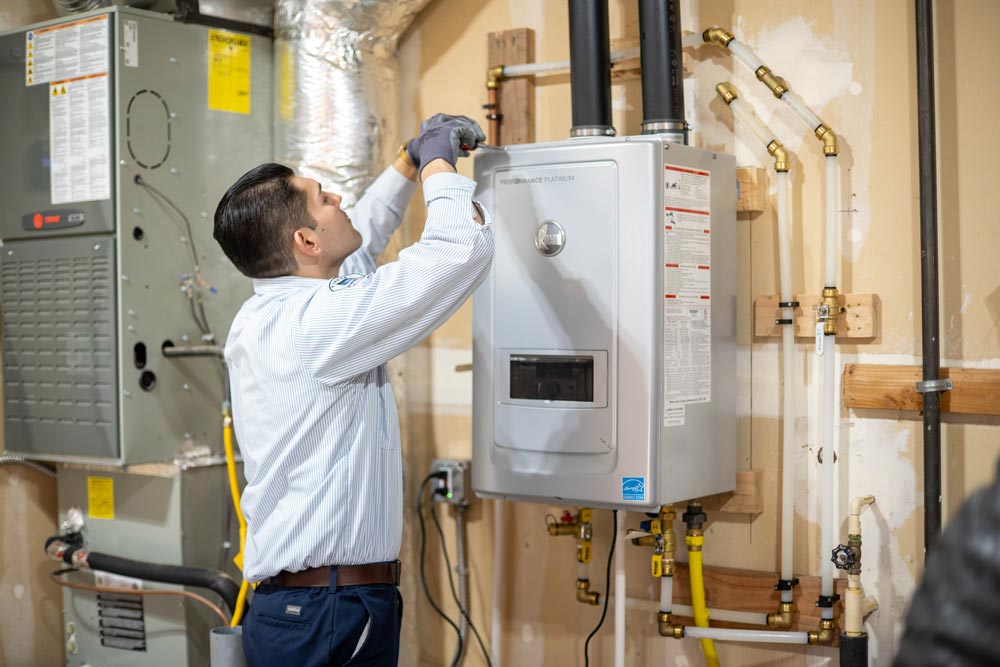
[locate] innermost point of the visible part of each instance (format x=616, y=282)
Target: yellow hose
x=234, y=490
x=698, y=595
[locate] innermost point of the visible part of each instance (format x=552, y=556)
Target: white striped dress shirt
x=313, y=407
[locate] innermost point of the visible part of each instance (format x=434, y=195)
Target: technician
x=313, y=405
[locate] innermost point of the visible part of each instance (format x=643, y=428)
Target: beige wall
x=853, y=61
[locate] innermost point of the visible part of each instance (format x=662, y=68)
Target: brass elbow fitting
x=493, y=76
x=775, y=84
x=717, y=35
x=584, y=594
x=829, y=139
x=782, y=619
x=666, y=627
x=831, y=299
x=824, y=636
x=777, y=150
x=727, y=92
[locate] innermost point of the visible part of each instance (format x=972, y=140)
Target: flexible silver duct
x=336, y=97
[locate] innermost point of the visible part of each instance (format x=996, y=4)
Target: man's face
x=337, y=238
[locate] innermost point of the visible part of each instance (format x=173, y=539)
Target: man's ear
x=306, y=241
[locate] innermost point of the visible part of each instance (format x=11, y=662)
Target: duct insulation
x=336, y=88
x=590, y=68
x=662, y=69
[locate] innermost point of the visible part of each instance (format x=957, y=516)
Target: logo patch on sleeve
x=343, y=282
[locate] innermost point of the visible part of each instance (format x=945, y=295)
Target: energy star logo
x=633, y=488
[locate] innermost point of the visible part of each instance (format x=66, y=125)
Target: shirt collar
x=285, y=284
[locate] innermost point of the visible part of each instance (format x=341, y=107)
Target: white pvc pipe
x=532, y=69
x=666, y=593
x=692, y=41
x=745, y=55
x=801, y=110
x=620, y=590
x=726, y=615
x=829, y=449
x=832, y=228
x=745, y=114
x=788, y=380
x=759, y=636
x=581, y=571
x=499, y=562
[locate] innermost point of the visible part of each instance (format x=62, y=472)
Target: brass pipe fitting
x=831, y=299
x=774, y=83
x=854, y=542
x=493, y=76
x=777, y=150
x=782, y=619
x=645, y=541
x=584, y=594
x=717, y=35
x=556, y=529
x=826, y=633
x=666, y=628
x=829, y=139
x=727, y=92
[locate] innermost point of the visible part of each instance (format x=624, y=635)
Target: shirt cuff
x=393, y=189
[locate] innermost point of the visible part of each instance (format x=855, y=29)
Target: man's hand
x=444, y=137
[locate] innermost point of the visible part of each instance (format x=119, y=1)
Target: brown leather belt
x=347, y=575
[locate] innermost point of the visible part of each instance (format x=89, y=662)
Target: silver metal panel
x=674, y=463
x=180, y=518
x=25, y=186
x=60, y=394
x=208, y=151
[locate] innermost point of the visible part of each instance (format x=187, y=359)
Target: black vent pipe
x=590, y=68
x=662, y=69
x=929, y=306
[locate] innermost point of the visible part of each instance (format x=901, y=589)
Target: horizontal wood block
x=859, y=317
x=753, y=190
x=976, y=391
x=745, y=499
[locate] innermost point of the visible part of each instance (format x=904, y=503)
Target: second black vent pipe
x=929, y=306
x=662, y=69
x=590, y=68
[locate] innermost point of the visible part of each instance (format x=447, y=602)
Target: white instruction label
x=66, y=51
x=130, y=37
x=687, y=290
x=79, y=139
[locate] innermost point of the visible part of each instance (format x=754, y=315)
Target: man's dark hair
x=256, y=218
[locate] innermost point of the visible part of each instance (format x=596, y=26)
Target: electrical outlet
x=452, y=488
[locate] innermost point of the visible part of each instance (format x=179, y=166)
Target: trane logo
x=550, y=238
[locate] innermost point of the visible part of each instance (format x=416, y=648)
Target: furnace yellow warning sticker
x=101, y=497
x=228, y=71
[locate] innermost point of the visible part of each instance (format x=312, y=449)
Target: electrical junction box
x=94, y=265
x=605, y=335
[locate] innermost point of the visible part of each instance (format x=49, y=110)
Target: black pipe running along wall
x=662, y=68
x=590, y=67
x=929, y=306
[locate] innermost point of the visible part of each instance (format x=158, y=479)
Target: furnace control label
x=80, y=139
x=66, y=51
x=687, y=290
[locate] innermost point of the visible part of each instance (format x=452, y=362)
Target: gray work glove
x=445, y=137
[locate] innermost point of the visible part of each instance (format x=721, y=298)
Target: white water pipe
x=533, y=69
x=499, y=564
x=745, y=114
x=666, y=594
x=758, y=636
x=788, y=380
x=827, y=568
x=725, y=615
x=856, y=606
x=792, y=99
x=620, y=590
x=832, y=228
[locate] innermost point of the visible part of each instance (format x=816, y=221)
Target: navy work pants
x=356, y=626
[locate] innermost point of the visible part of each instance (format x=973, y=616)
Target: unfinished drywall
x=853, y=61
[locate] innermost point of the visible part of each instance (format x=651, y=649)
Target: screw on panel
x=131, y=327
x=121, y=163
x=127, y=394
x=97, y=246
x=186, y=387
x=136, y=211
x=124, y=278
x=173, y=170
x=173, y=61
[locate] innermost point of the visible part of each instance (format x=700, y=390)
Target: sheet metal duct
x=336, y=79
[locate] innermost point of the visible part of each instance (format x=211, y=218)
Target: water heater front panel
x=553, y=269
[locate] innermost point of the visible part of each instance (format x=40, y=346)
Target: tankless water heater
x=605, y=335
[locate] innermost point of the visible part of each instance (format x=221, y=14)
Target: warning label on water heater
x=687, y=290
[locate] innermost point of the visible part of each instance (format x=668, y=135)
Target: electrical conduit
x=620, y=590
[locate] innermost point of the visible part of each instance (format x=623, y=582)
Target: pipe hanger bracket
x=928, y=386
